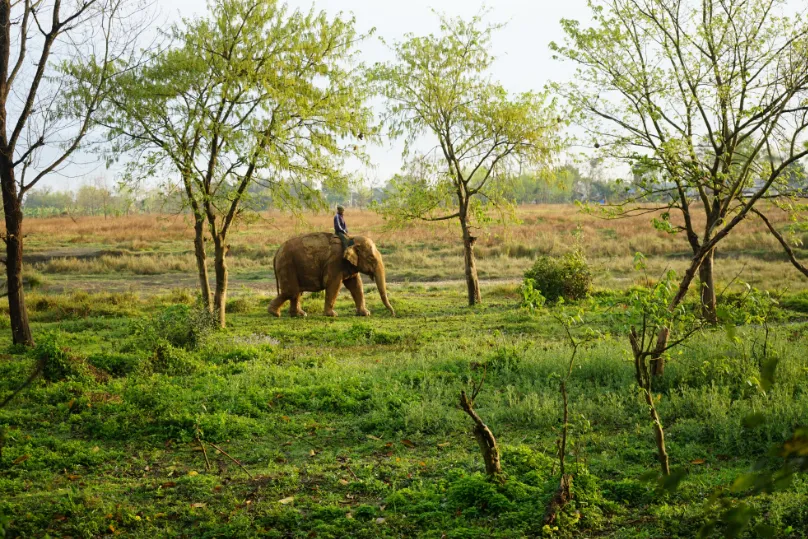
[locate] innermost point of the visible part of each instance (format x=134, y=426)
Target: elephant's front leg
x=354, y=284
x=331, y=293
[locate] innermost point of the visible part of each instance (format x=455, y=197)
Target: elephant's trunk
x=381, y=285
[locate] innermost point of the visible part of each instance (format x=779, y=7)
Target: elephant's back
x=308, y=244
x=307, y=256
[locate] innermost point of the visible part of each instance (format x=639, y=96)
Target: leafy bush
x=241, y=304
x=531, y=298
x=477, y=492
x=58, y=364
x=114, y=363
x=168, y=359
x=797, y=302
x=568, y=277
x=181, y=326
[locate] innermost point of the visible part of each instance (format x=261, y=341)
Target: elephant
x=316, y=261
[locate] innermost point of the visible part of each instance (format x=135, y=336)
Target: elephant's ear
x=351, y=256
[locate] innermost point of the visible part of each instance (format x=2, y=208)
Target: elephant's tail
x=275, y=271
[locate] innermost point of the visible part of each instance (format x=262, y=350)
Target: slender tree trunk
x=472, y=283
x=12, y=206
x=202, y=261
x=485, y=439
x=562, y=450
x=707, y=288
x=220, y=297
x=643, y=376
x=659, y=434
x=658, y=361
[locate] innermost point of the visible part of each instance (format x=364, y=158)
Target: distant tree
x=45, y=200
x=705, y=101
x=438, y=85
x=95, y=198
x=251, y=94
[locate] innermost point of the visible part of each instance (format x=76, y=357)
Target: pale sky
x=523, y=57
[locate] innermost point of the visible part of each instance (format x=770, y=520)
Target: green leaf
x=670, y=483
x=753, y=420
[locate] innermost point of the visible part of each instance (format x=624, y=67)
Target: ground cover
x=351, y=427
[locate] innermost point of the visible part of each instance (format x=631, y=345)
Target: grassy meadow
x=350, y=427
x=155, y=251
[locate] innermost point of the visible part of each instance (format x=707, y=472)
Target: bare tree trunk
x=220, y=297
x=472, y=283
x=485, y=438
x=562, y=450
x=659, y=434
x=561, y=498
x=202, y=261
x=643, y=376
x=707, y=288
x=20, y=327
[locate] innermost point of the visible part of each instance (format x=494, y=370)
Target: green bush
x=115, y=363
x=796, y=302
x=58, y=364
x=181, y=326
x=567, y=276
x=241, y=304
x=171, y=360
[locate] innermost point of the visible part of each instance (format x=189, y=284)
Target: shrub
x=567, y=277
x=531, y=298
x=180, y=326
x=241, y=304
x=116, y=364
x=58, y=364
x=170, y=360
x=797, y=302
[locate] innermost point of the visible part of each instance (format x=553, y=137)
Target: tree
x=704, y=100
x=252, y=94
x=56, y=67
x=44, y=201
x=438, y=86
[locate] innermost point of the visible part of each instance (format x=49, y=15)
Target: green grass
x=350, y=427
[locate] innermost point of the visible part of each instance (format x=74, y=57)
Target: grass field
x=152, y=251
x=351, y=427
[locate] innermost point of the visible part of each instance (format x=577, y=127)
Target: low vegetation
x=149, y=422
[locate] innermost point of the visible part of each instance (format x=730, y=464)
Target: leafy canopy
x=251, y=93
x=706, y=101
x=439, y=86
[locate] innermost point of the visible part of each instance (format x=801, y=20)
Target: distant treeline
x=566, y=185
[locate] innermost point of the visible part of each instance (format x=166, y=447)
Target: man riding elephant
x=319, y=261
x=341, y=229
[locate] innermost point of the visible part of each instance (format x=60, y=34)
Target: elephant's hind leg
x=294, y=306
x=354, y=285
x=276, y=304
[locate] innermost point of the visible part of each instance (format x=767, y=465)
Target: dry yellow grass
x=545, y=228
x=423, y=251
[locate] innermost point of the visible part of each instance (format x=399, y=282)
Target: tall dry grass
x=542, y=228
x=155, y=244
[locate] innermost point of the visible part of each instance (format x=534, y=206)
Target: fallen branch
x=223, y=452
x=204, y=452
x=352, y=474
